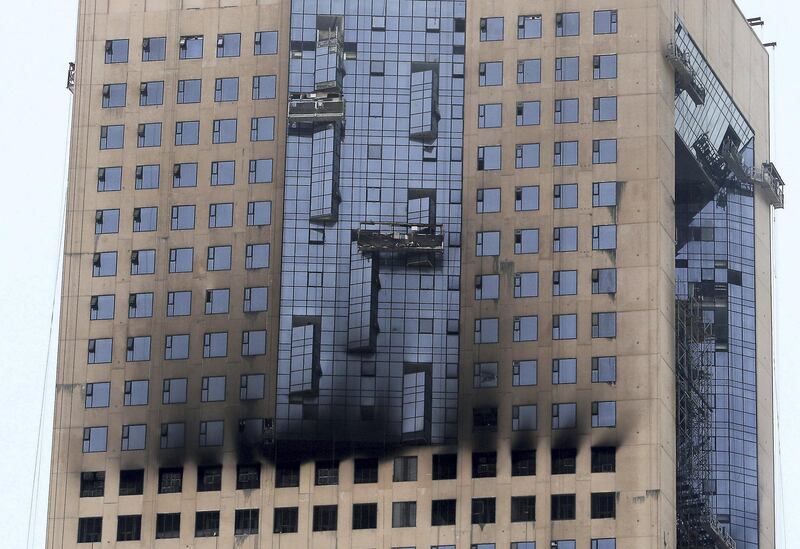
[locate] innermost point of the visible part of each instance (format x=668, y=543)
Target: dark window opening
x=90, y=529
x=326, y=473
x=206, y=524
x=248, y=477
x=209, y=478
x=523, y=463
x=445, y=466
x=170, y=480
x=564, y=461
x=604, y=505
x=484, y=464
x=287, y=475
x=93, y=484
x=443, y=512
x=168, y=525
x=131, y=482
x=129, y=527
x=365, y=516
x=523, y=509
x=604, y=459
x=483, y=510
x=366, y=471
x=325, y=517
x=285, y=520
x=562, y=507
x=245, y=522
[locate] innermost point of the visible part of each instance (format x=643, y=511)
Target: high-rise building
x=392, y=274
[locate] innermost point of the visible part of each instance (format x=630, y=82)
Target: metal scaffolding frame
x=698, y=527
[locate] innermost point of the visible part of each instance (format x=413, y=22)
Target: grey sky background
x=39, y=40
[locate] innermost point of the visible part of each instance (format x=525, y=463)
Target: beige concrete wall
x=644, y=260
x=134, y=20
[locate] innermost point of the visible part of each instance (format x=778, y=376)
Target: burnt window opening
x=287, y=475
x=365, y=471
x=131, y=482
x=170, y=480
x=564, y=461
x=523, y=463
x=445, y=466
x=484, y=464
x=443, y=512
x=209, y=478
x=604, y=459
x=326, y=473
x=484, y=419
x=248, y=476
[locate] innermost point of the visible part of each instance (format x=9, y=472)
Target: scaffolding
x=317, y=107
x=400, y=237
x=420, y=243
x=698, y=527
x=728, y=167
x=685, y=76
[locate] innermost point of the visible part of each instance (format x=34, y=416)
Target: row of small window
x=168, y=526
x=259, y=214
x=526, y=372
x=528, y=155
x=189, y=91
x=564, y=416
x=565, y=196
x=530, y=26
x=174, y=391
x=325, y=518
x=262, y=128
x=182, y=218
x=172, y=435
x=148, y=176
x=565, y=239
x=567, y=69
x=176, y=347
x=181, y=260
x=565, y=111
x=365, y=471
x=526, y=328
x=604, y=281
x=179, y=303
x=191, y=47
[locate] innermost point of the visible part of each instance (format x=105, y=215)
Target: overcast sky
x=34, y=106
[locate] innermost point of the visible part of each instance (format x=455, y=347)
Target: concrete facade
x=643, y=343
